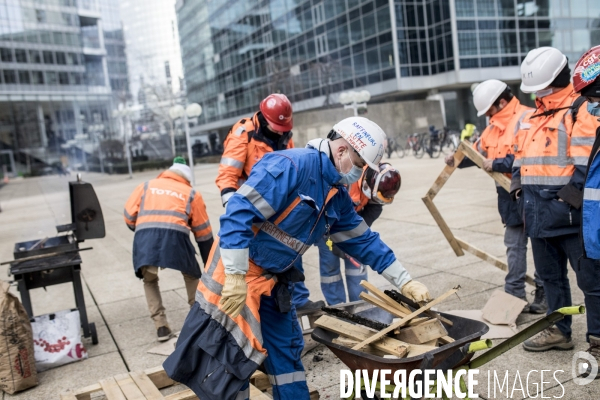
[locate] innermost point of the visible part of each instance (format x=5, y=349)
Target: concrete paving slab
x=137, y=307
x=73, y=376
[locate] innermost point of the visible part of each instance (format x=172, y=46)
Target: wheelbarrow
x=452, y=356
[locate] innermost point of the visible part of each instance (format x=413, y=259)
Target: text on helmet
x=167, y=193
x=363, y=134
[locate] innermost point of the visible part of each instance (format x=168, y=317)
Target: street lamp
x=193, y=110
x=355, y=100
x=123, y=113
x=95, y=130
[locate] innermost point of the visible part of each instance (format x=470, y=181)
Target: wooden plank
x=406, y=319
x=376, y=302
x=445, y=175
x=423, y=333
x=185, y=395
x=111, y=389
x=387, y=299
x=68, y=395
x=443, y=226
x=146, y=386
x=478, y=159
x=129, y=388
x=386, y=344
x=159, y=377
x=348, y=342
x=496, y=262
x=85, y=392
x=432, y=343
x=260, y=380
x=414, y=350
x=446, y=339
x=256, y=394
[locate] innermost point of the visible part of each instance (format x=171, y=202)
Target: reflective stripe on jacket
x=303, y=177
x=591, y=204
x=496, y=142
x=163, y=212
x=553, y=159
x=244, y=146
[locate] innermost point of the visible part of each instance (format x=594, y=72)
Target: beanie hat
x=563, y=78
x=592, y=90
x=180, y=168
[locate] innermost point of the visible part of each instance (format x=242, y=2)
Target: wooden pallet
x=146, y=385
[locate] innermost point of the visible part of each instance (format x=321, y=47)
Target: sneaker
x=549, y=338
x=163, y=333
x=311, y=306
x=594, y=350
x=539, y=305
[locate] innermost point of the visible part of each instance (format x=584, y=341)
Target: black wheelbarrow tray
x=466, y=333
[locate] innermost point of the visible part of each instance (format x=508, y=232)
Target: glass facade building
x=59, y=61
x=235, y=52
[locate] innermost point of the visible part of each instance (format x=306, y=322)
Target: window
x=10, y=77
x=76, y=78
x=24, y=78
x=60, y=58
x=35, y=57
x=467, y=43
x=72, y=59
x=40, y=16
x=48, y=57
x=63, y=78
x=51, y=78
x=6, y=55
x=488, y=42
x=318, y=13
x=58, y=38
x=37, y=77
x=21, y=55
x=321, y=44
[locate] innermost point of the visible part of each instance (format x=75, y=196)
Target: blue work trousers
x=550, y=256
x=332, y=283
x=301, y=293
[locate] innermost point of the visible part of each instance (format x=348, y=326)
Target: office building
x=56, y=79
x=235, y=52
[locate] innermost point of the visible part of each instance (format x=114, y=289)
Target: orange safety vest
x=554, y=147
x=498, y=138
x=242, y=149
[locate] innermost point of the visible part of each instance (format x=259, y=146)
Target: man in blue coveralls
x=243, y=314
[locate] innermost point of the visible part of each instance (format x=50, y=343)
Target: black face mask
x=563, y=78
x=274, y=137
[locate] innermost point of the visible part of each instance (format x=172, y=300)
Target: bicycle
x=394, y=146
x=449, y=141
x=415, y=144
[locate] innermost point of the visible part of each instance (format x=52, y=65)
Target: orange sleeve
x=583, y=135
x=199, y=222
x=290, y=144
x=235, y=150
x=132, y=206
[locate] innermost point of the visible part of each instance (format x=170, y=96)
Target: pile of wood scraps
x=415, y=330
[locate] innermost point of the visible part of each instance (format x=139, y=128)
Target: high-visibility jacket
x=244, y=146
x=287, y=204
x=591, y=204
x=496, y=142
x=163, y=212
x=551, y=168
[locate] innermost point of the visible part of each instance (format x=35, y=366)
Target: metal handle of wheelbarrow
x=525, y=334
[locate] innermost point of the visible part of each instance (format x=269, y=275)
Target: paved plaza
x=31, y=208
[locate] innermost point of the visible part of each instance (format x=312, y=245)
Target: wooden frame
x=460, y=246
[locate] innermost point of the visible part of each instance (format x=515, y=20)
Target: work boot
x=526, y=309
x=594, y=350
x=549, y=338
x=539, y=305
x=163, y=333
x=311, y=306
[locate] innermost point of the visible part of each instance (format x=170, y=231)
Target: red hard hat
x=277, y=110
x=382, y=185
x=587, y=69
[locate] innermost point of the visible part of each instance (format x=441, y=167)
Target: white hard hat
x=486, y=93
x=540, y=67
x=365, y=136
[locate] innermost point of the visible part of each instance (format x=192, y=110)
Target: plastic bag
x=17, y=365
x=57, y=339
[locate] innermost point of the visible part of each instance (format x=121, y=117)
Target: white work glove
x=398, y=276
x=416, y=291
x=233, y=295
